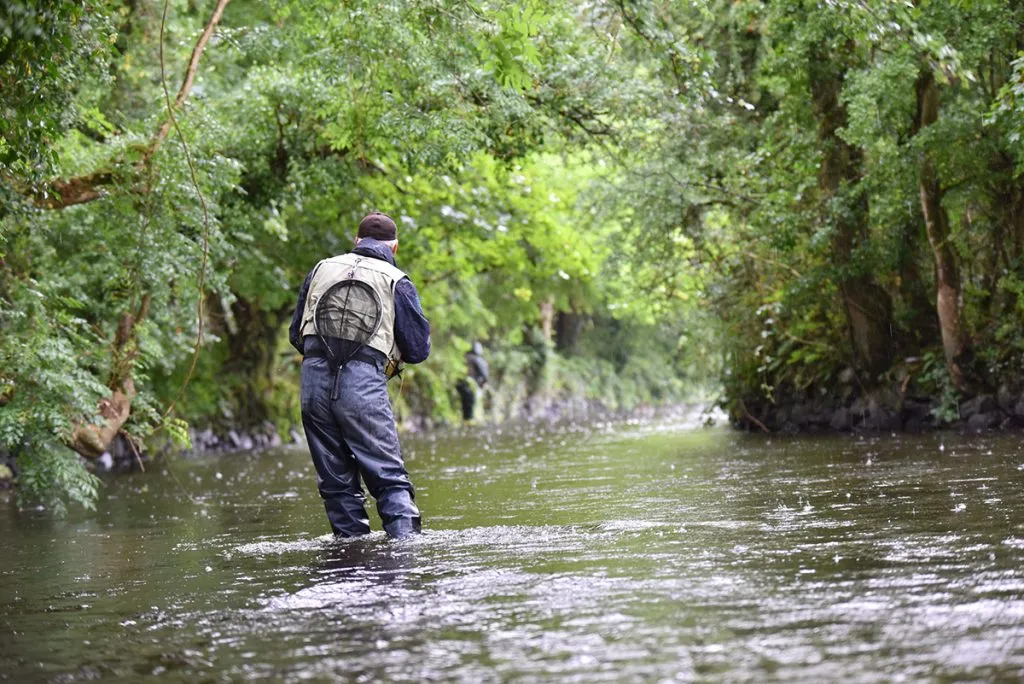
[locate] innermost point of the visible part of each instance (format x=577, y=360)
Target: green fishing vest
x=378, y=274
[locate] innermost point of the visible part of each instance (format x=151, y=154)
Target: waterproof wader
x=467, y=397
x=351, y=433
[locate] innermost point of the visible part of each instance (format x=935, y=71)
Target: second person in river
x=478, y=374
x=358, y=317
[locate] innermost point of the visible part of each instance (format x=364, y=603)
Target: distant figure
x=478, y=375
x=357, y=319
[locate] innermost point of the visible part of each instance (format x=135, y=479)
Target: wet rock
x=779, y=416
x=884, y=408
x=841, y=420
x=275, y=440
x=915, y=424
x=880, y=418
x=983, y=403
x=245, y=443
x=105, y=463
x=820, y=418
x=1018, y=409
x=234, y=439
x=917, y=415
x=985, y=421
x=1006, y=397
x=206, y=439
x=800, y=415
x=917, y=410
x=296, y=437
x=860, y=406
x=789, y=428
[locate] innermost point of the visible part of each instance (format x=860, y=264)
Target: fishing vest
x=378, y=274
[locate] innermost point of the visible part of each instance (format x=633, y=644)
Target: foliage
x=934, y=377
x=44, y=46
x=743, y=178
x=51, y=475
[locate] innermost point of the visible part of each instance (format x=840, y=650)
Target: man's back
x=346, y=411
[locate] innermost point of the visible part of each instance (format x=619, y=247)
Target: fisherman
x=478, y=375
x=357, y=319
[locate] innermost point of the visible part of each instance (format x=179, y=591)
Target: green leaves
x=47, y=51
x=53, y=476
x=511, y=53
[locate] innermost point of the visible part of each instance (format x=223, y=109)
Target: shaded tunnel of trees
x=811, y=212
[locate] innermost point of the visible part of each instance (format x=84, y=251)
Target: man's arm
x=295, y=330
x=412, y=329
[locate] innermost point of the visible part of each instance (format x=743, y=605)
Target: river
x=625, y=552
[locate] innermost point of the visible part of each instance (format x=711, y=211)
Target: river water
x=622, y=552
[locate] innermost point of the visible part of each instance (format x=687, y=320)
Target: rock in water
x=841, y=419
x=105, y=462
x=983, y=403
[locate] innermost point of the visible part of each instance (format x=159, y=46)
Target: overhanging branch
x=190, y=71
x=77, y=190
x=91, y=186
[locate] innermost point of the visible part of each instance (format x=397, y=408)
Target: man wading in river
x=358, y=317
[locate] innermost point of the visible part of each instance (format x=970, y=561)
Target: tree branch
x=89, y=187
x=190, y=71
x=673, y=58
x=77, y=190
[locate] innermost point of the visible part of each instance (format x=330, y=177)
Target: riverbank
x=541, y=415
x=530, y=385
x=848, y=411
x=211, y=440
x=879, y=411
x=849, y=407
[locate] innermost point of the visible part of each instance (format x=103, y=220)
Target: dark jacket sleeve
x=412, y=329
x=295, y=331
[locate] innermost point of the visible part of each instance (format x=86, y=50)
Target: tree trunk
x=955, y=344
x=867, y=305
x=547, y=318
x=92, y=439
x=1007, y=208
x=568, y=325
x=920, y=318
x=1015, y=218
